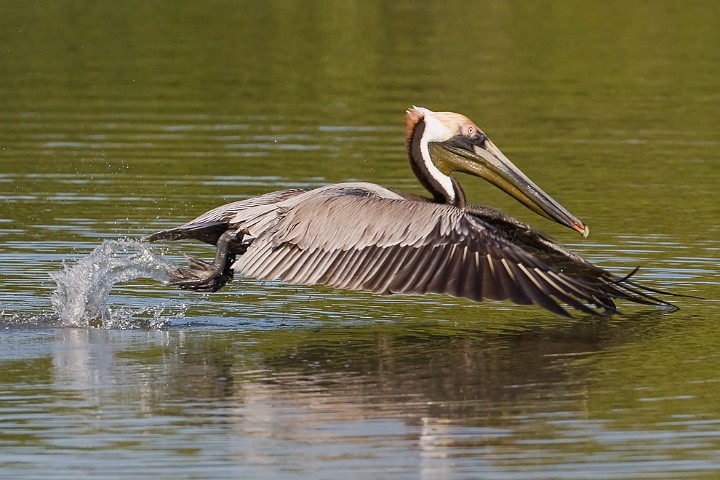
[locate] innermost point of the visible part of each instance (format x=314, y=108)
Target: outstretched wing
x=360, y=240
x=210, y=225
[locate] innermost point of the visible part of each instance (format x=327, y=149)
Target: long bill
x=490, y=163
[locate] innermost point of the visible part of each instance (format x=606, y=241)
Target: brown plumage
x=361, y=236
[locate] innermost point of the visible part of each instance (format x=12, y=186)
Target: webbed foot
x=211, y=277
x=201, y=276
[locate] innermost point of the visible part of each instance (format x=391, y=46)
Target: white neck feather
x=443, y=180
x=435, y=131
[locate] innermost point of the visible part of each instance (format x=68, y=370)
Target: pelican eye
x=473, y=135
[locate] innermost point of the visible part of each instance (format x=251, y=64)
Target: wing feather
x=371, y=281
x=436, y=255
x=472, y=286
x=384, y=280
x=211, y=224
x=348, y=269
x=490, y=284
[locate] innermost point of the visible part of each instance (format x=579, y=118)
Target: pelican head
x=441, y=143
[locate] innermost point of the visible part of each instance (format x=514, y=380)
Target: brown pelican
x=361, y=236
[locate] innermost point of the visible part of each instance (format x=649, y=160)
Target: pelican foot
x=211, y=277
x=201, y=276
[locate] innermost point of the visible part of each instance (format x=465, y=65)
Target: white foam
x=83, y=288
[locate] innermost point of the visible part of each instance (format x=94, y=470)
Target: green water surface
x=121, y=118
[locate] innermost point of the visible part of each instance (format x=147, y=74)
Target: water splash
x=83, y=289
